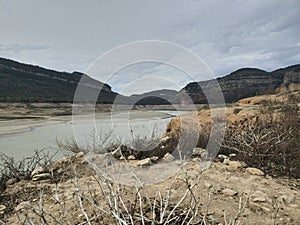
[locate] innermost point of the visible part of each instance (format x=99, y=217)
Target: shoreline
x=16, y=126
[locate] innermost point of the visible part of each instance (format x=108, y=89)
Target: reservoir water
x=120, y=127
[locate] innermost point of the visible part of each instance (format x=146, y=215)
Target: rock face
x=243, y=83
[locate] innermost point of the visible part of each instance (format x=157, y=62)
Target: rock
x=259, y=199
x=131, y=157
x=255, y=171
x=37, y=170
x=79, y=155
x=168, y=157
x=122, y=158
x=232, y=155
x=154, y=158
x=2, y=209
x=42, y=176
x=226, y=161
x=234, y=165
x=258, y=196
x=222, y=157
x=164, y=139
x=208, y=185
x=11, y=181
x=286, y=198
x=144, y=162
x=199, y=152
x=229, y=192
x=23, y=206
x=218, y=188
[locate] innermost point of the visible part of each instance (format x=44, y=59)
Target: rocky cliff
x=243, y=83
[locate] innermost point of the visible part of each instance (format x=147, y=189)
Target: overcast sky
x=68, y=35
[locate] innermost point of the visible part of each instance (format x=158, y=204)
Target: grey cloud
x=227, y=35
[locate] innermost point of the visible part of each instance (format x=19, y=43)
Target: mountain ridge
x=21, y=82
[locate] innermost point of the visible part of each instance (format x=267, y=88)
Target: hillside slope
x=246, y=82
x=27, y=83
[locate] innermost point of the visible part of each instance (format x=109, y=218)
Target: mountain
x=27, y=83
x=243, y=83
x=159, y=97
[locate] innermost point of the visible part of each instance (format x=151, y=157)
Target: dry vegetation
x=257, y=184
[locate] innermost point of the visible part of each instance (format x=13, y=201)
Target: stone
x=232, y=155
x=11, y=181
x=258, y=196
x=168, y=157
x=154, y=158
x=122, y=158
x=255, y=171
x=234, y=165
x=199, y=152
x=23, y=206
x=37, y=170
x=222, y=157
x=259, y=199
x=144, y=162
x=79, y=155
x=164, y=139
x=286, y=198
x=229, y=192
x=131, y=157
x=208, y=185
x=2, y=209
x=42, y=176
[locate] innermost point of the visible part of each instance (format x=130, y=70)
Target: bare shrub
x=270, y=143
x=21, y=170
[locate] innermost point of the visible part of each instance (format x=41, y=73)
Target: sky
x=69, y=35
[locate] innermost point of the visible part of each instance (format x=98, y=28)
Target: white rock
x=2, y=208
x=37, y=170
x=255, y=171
x=168, y=157
x=42, y=176
x=226, y=161
x=23, y=206
x=259, y=199
x=79, y=155
x=199, y=152
x=222, y=156
x=286, y=198
x=165, y=139
x=131, y=157
x=232, y=155
x=234, y=165
x=154, y=158
x=258, y=196
x=208, y=185
x=229, y=192
x=144, y=162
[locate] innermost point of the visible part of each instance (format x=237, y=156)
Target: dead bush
x=271, y=144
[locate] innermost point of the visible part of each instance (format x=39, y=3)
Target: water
x=22, y=144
